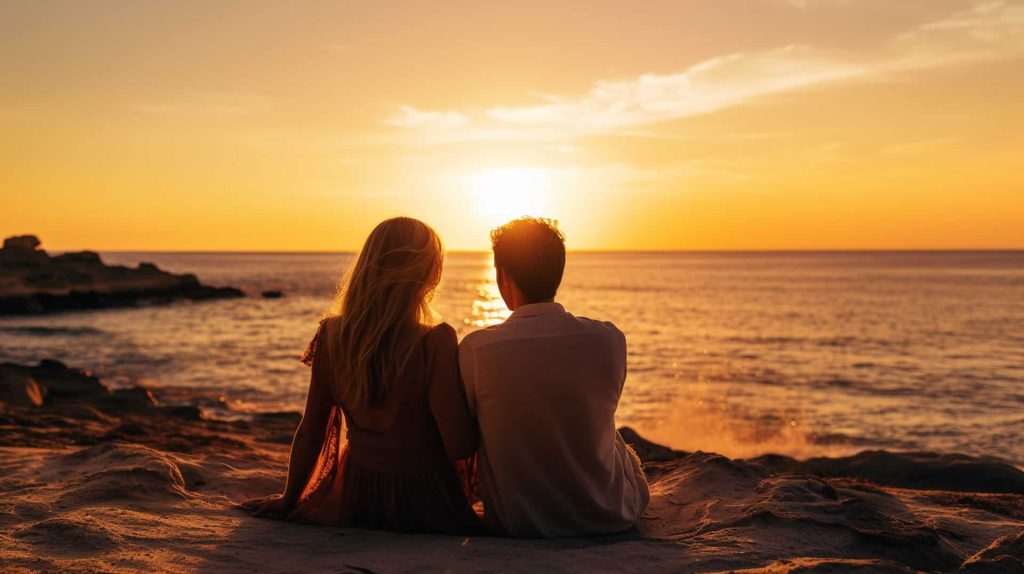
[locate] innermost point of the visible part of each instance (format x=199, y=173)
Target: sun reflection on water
x=488, y=306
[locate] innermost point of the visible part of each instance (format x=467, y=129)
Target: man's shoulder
x=483, y=336
x=598, y=326
x=573, y=324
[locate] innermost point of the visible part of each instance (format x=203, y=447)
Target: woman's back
x=397, y=433
x=395, y=470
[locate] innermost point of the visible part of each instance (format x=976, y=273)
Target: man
x=544, y=386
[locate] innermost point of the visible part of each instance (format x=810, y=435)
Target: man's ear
x=505, y=287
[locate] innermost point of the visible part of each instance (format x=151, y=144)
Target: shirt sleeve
x=448, y=398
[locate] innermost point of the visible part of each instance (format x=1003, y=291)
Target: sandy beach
x=95, y=480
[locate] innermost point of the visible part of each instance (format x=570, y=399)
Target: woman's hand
x=275, y=506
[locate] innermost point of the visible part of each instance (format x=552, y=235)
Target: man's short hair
x=531, y=251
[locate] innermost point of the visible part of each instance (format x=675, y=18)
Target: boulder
x=90, y=258
x=22, y=243
x=18, y=388
x=59, y=383
x=22, y=253
x=133, y=399
x=647, y=450
x=186, y=412
x=912, y=470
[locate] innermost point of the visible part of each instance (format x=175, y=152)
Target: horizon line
x=579, y=251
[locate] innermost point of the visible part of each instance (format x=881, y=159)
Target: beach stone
x=19, y=255
x=922, y=471
x=133, y=399
x=18, y=388
x=52, y=364
x=81, y=257
x=184, y=412
x=22, y=243
x=63, y=384
x=647, y=450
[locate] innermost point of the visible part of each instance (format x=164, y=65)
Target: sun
x=502, y=194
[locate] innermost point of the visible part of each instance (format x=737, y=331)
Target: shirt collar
x=535, y=309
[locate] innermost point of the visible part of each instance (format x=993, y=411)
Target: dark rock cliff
x=31, y=281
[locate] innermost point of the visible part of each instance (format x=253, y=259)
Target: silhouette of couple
x=405, y=429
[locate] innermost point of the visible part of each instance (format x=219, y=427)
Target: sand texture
x=98, y=481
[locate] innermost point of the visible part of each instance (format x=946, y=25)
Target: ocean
x=806, y=354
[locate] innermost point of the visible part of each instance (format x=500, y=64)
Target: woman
x=393, y=381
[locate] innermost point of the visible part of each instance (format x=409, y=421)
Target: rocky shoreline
x=33, y=282
x=100, y=479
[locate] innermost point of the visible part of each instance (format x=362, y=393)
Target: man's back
x=544, y=387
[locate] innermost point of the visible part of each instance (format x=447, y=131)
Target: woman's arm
x=306, y=445
x=448, y=398
x=309, y=437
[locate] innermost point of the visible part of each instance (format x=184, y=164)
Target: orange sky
x=734, y=124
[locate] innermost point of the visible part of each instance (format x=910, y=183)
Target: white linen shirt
x=544, y=386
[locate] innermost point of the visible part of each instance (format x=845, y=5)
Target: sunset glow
x=803, y=125
x=504, y=194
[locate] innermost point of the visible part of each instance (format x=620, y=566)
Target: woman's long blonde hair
x=382, y=308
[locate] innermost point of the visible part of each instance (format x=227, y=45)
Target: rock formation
x=31, y=281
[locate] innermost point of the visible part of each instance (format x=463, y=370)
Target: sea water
x=740, y=353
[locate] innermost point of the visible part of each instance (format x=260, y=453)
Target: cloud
x=984, y=32
x=706, y=87
x=986, y=21
x=624, y=105
x=209, y=105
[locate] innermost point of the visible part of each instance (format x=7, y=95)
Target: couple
x=405, y=429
